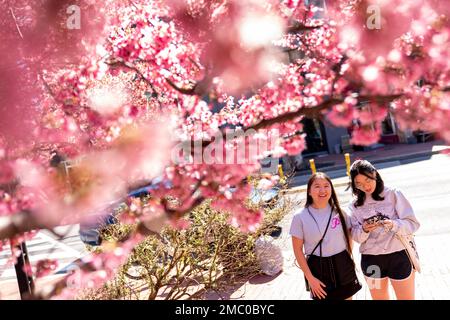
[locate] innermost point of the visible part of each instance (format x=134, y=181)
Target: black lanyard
x=319, y=244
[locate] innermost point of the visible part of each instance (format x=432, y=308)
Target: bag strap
x=325, y=232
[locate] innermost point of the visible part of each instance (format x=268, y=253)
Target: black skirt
x=337, y=273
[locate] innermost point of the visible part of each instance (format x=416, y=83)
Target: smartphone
x=376, y=218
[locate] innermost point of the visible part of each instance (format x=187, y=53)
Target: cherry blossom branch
x=121, y=63
x=301, y=27
x=194, y=90
x=56, y=288
x=19, y=223
x=380, y=99
x=47, y=87
x=195, y=63
x=308, y=112
x=188, y=91
x=337, y=69
x=15, y=21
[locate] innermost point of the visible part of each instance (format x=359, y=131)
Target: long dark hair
x=365, y=168
x=333, y=202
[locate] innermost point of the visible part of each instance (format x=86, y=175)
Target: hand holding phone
x=369, y=227
x=376, y=219
x=373, y=222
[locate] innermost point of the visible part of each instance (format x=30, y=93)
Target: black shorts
x=395, y=266
x=337, y=273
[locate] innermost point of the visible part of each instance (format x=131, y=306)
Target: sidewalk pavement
x=432, y=283
x=389, y=152
x=335, y=166
x=10, y=288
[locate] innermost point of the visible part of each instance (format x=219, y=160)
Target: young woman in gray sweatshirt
x=377, y=214
x=321, y=231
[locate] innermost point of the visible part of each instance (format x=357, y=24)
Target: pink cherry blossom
x=122, y=99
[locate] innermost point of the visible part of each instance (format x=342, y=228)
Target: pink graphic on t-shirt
x=335, y=222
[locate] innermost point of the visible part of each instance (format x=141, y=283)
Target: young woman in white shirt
x=321, y=231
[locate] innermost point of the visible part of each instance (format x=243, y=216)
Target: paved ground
x=44, y=245
x=387, y=156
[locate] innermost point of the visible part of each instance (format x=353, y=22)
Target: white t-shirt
x=304, y=227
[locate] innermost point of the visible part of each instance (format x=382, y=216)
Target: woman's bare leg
x=379, y=288
x=404, y=289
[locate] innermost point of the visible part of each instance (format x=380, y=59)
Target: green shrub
x=183, y=264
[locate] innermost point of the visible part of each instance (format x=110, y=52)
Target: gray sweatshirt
x=303, y=226
x=397, y=208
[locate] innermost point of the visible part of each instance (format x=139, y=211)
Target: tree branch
x=380, y=99
x=337, y=69
x=15, y=21
x=18, y=223
x=121, y=63
x=308, y=112
x=47, y=87
x=301, y=27
x=187, y=91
